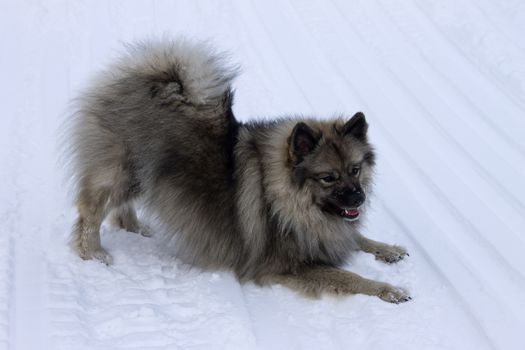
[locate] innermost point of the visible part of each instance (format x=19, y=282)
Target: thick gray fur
x=251, y=198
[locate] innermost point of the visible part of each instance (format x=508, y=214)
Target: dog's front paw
x=394, y=295
x=390, y=253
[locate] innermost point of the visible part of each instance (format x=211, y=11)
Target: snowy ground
x=443, y=86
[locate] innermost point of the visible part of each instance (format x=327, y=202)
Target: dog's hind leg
x=92, y=207
x=125, y=218
x=385, y=252
x=317, y=280
x=101, y=190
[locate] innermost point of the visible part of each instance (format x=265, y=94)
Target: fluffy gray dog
x=274, y=202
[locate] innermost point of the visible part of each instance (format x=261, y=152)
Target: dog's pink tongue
x=351, y=212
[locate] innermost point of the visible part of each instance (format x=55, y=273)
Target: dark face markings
x=337, y=170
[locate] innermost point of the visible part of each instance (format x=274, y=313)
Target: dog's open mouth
x=350, y=214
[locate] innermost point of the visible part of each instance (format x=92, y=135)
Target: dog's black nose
x=357, y=199
x=350, y=197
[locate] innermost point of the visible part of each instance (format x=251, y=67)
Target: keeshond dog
x=274, y=202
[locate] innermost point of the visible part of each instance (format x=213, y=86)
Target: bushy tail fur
x=191, y=70
x=155, y=78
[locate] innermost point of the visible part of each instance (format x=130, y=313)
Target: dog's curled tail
x=184, y=70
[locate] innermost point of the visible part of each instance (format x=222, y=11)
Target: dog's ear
x=356, y=126
x=302, y=141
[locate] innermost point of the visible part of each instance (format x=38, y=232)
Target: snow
x=443, y=86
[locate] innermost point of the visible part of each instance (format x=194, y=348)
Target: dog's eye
x=328, y=179
x=355, y=171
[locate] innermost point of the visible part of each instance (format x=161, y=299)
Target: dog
x=276, y=202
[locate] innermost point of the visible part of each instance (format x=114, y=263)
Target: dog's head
x=335, y=161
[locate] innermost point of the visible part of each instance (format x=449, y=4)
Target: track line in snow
x=446, y=114
x=494, y=57
x=420, y=38
x=475, y=85
x=505, y=14
x=495, y=22
x=144, y=300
